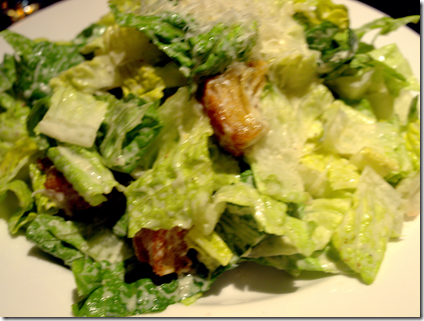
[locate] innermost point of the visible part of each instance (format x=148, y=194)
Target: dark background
x=395, y=9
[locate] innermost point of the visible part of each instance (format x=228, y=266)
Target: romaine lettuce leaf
x=89, y=76
x=85, y=170
x=142, y=81
x=386, y=25
x=69, y=240
x=212, y=249
x=13, y=123
x=38, y=63
x=275, y=158
x=131, y=125
x=365, y=141
x=177, y=188
x=328, y=175
x=269, y=214
x=7, y=73
x=199, y=55
x=362, y=236
x=16, y=158
x=314, y=12
x=104, y=291
x=409, y=190
x=25, y=204
x=73, y=117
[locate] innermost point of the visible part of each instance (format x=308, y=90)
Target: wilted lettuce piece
x=44, y=204
x=24, y=204
x=327, y=175
x=85, y=171
x=274, y=159
x=180, y=184
x=69, y=240
x=131, y=125
x=104, y=291
x=73, y=117
x=386, y=25
x=212, y=250
x=362, y=236
x=38, y=63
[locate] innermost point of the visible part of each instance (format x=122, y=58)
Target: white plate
x=32, y=285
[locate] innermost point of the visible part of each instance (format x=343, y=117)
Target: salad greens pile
x=116, y=110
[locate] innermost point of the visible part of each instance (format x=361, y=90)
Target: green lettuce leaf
x=313, y=12
x=269, y=214
x=386, y=25
x=38, y=63
x=85, y=171
x=7, y=73
x=275, y=158
x=73, y=117
x=69, y=240
x=131, y=125
x=365, y=141
x=177, y=188
x=90, y=76
x=199, y=55
x=328, y=175
x=211, y=249
x=361, y=238
x=16, y=159
x=105, y=292
x=20, y=216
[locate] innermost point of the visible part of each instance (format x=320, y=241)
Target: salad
x=167, y=144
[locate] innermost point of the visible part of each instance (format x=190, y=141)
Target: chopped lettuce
x=362, y=236
x=20, y=214
x=38, y=63
x=73, y=117
x=104, y=291
x=85, y=171
x=324, y=190
x=199, y=55
x=386, y=25
x=275, y=158
x=131, y=125
x=69, y=241
x=175, y=191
